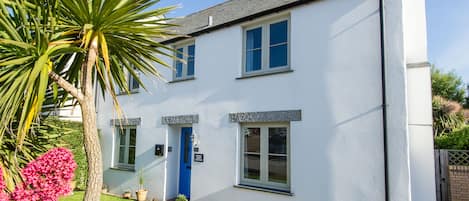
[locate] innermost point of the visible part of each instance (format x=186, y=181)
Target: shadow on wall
x=322, y=95
x=315, y=171
x=119, y=181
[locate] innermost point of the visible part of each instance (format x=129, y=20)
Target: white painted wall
x=419, y=102
x=71, y=113
x=398, y=139
x=68, y=113
x=337, y=148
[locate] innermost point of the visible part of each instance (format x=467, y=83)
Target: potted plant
x=73, y=185
x=141, y=193
x=127, y=194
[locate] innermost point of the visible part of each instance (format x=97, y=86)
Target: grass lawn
x=78, y=196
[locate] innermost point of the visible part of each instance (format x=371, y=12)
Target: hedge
x=458, y=139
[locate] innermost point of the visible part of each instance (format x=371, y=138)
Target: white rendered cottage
x=283, y=100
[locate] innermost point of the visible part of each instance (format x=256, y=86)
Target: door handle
x=188, y=167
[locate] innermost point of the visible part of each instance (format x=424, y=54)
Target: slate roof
x=229, y=13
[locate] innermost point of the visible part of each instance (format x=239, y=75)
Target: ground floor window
x=126, y=143
x=265, y=155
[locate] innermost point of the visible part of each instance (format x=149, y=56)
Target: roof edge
x=238, y=21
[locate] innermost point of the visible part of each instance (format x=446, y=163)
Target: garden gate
x=452, y=175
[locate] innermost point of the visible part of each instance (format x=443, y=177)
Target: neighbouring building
x=69, y=111
x=298, y=100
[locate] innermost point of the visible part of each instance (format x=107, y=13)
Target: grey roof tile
x=226, y=12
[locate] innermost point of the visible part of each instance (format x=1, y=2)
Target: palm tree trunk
x=90, y=130
x=93, y=151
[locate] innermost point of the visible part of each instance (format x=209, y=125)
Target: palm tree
x=51, y=44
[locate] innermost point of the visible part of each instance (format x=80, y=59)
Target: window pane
x=190, y=67
x=122, y=136
x=191, y=60
x=278, y=56
x=278, y=140
x=121, y=154
x=133, y=137
x=253, y=60
x=279, y=33
x=180, y=53
x=254, y=38
x=131, y=155
x=191, y=51
x=278, y=169
x=252, y=164
x=135, y=84
x=178, y=63
x=179, y=69
x=252, y=140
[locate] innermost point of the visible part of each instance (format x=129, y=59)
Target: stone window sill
x=123, y=169
x=266, y=190
x=260, y=74
x=122, y=93
x=181, y=80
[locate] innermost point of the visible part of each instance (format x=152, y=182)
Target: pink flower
x=3, y=196
x=47, y=177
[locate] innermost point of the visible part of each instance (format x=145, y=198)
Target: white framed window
x=184, y=70
x=265, y=155
x=132, y=84
x=266, y=47
x=126, y=141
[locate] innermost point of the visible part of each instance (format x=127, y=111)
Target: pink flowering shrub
x=46, y=178
x=3, y=195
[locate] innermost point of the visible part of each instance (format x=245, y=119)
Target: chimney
x=210, y=21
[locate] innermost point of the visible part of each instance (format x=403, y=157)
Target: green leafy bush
x=14, y=158
x=71, y=136
x=181, y=198
x=448, y=85
x=447, y=116
x=458, y=139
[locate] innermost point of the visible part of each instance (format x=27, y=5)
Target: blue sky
x=188, y=6
x=447, y=24
x=448, y=35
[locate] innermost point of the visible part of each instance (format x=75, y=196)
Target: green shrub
x=71, y=137
x=447, y=116
x=13, y=158
x=458, y=139
x=181, y=198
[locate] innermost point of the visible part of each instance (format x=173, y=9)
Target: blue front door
x=185, y=162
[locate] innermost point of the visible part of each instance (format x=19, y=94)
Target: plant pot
x=127, y=195
x=141, y=195
x=73, y=185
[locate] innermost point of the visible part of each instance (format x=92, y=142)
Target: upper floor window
x=184, y=70
x=266, y=47
x=132, y=84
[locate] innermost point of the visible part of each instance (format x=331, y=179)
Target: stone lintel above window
x=270, y=116
x=126, y=122
x=180, y=119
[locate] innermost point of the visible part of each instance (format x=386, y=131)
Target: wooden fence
x=452, y=175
